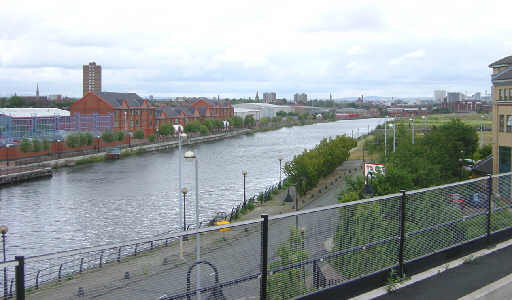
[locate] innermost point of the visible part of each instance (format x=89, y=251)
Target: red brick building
x=220, y=110
x=199, y=110
x=130, y=111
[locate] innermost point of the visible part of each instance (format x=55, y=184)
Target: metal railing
x=298, y=253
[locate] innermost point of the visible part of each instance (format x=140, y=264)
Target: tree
x=289, y=283
x=86, y=138
x=166, y=129
x=236, y=121
x=25, y=146
x=139, y=134
x=46, y=145
x=107, y=136
x=194, y=126
x=36, y=145
x=264, y=121
x=249, y=121
x=203, y=130
x=73, y=140
x=119, y=136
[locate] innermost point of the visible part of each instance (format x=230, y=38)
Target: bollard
x=37, y=279
x=81, y=264
x=135, y=251
x=126, y=275
x=119, y=254
x=81, y=292
x=60, y=273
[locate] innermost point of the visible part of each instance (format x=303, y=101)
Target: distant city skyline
x=233, y=48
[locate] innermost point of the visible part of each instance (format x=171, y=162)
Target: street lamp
x=180, y=188
x=425, y=120
x=244, y=172
x=3, y=230
x=58, y=149
x=412, y=120
x=280, y=160
x=99, y=141
x=394, y=136
x=189, y=155
x=7, y=153
x=184, y=191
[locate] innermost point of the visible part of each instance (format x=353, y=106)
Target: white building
x=244, y=112
x=439, y=95
x=266, y=110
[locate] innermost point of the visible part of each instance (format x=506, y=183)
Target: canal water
x=137, y=196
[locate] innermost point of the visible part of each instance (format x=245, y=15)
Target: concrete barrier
x=500, y=289
x=25, y=176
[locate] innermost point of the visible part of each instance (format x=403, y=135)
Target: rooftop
x=116, y=99
x=34, y=112
x=506, y=61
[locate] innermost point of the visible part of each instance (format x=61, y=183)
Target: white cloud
x=236, y=47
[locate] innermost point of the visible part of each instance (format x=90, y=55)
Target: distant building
x=257, y=98
x=91, y=78
x=439, y=96
x=502, y=114
x=269, y=97
x=300, y=97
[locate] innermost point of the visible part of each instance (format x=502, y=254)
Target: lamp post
x=244, y=173
x=3, y=230
x=7, y=154
x=58, y=149
x=99, y=141
x=184, y=191
x=394, y=136
x=280, y=160
x=412, y=120
x=425, y=120
x=180, y=188
x=189, y=155
x=482, y=130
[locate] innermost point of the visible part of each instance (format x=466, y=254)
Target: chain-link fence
x=283, y=256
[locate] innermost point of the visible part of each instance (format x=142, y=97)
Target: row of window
x=505, y=94
x=132, y=112
x=508, y=119
x=137, y=123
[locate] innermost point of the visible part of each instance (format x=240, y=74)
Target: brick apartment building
x=199, y=110
x=130, y=111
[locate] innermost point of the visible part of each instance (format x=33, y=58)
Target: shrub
x=26, y=146
x=166, y=129
x=107, y=136
x=46, y=145
x=73, y=140
x=36, y=146
x=203, y=130
x=151, y=138
x=119, y=136
x=193, y=126
x=139, y=134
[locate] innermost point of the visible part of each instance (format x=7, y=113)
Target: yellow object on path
x=223, y=222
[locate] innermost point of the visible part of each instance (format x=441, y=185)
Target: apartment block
x=91, y=78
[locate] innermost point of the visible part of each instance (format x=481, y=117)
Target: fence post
x=264, y=257
x=489, y=197
x=20, y=278
x=402, y=234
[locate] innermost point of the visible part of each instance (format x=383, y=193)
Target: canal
x=137, y=196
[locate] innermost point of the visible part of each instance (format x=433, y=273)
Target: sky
x=235, y=48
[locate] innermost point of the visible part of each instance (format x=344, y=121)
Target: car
x=457, y=199
x=478, y=200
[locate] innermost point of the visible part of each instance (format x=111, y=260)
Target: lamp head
x=3, y=229
x=244, y=172
x=184, y=191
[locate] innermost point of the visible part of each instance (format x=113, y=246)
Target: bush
x=203, y=130
x=193, y=126
x=119, y=136
x=36, y=146
x=139, y=134
x=46, y=145
x=26, y=146
x=166, y=129
x=151, y=138
x=107, y=136
x=86, y=138
x=73, y=140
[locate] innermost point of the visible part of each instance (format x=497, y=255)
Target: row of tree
x=307, y=168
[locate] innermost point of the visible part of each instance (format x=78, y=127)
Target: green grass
x=89, y=160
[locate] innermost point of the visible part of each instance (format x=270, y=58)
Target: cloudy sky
x=233, y=48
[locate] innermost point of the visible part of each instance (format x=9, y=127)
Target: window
x=131, y=123
x=137, y=123
x=504, y=159
x=499, y=95
x=502, y=122
x=509, y=123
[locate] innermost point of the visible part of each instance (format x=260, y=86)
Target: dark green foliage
x=193, y=126
x=73, y=140
x=37, y=146
x=290, y=283
x=46, y=145
x=236, y=121
x=203, y=130
x=86, y=138
x=165, y=129
x=139, y=134
x=249, y=121
x=107, y=136
x=209, y=123
x=25, y=146
x=307, y=168
x=119, y=136
x=151, y=138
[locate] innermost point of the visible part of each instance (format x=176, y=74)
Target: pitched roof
x=506, y=61
x=116, y=99
x=216, y=103
x=504, y=75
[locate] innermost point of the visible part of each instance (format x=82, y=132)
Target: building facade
x=269, y=97
x=439, y=96
x=91, y=78
x=130, y=111
x=300, y=98
x=502, y=114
